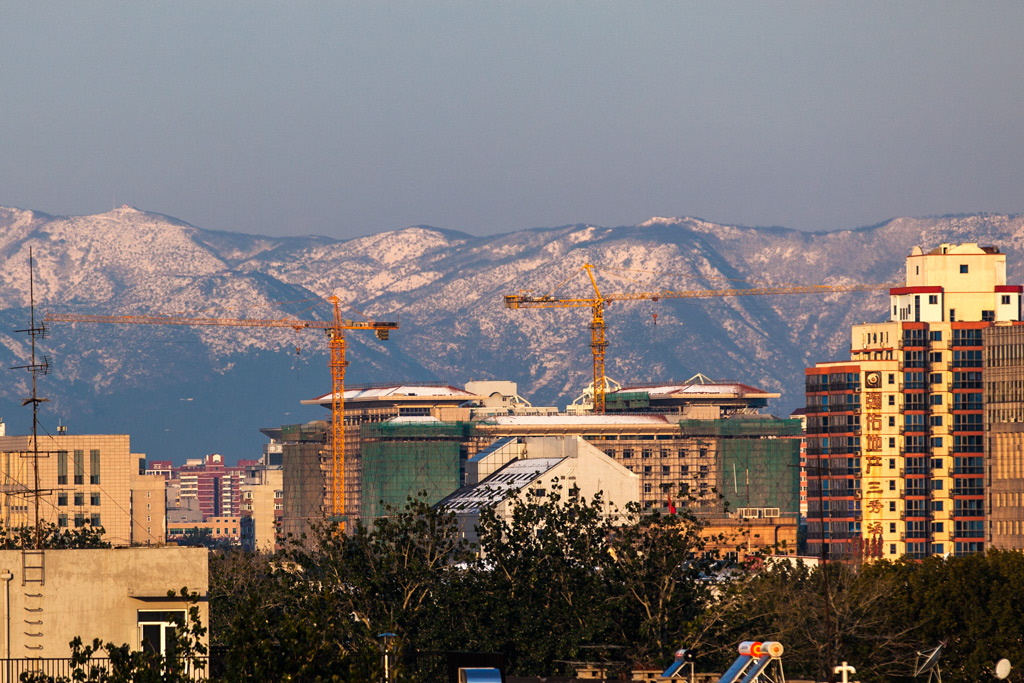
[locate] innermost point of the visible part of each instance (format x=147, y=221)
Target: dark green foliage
x=556, y=582
x=551, y=582
x=52, y=537
x=196, y=537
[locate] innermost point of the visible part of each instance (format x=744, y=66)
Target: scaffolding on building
x=403, y=459
x=759, y=462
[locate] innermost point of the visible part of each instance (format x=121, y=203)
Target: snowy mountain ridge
x=445, y=288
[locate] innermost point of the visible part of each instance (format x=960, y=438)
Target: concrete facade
x=1004, y=435
x=263, y=505
x=51, y=596
x=82, y=479
x=149, y=510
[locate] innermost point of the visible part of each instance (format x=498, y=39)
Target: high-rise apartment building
x=896, y=435
x=1004, y=436
x=216, y=486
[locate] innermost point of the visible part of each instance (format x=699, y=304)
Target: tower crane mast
x=596, y=304
x=335, y=330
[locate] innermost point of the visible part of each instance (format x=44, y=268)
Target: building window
x=963, y=268
x=94, y=499
x=952, y=315
x=936, y=484
x=892, y=548
x=935, y=420
x=79, y=519
x=933, y=298
x=79, y=499
x=62, y=467
x=935, y=400
x=936, y=442
x=892, y=484
x=892, y=506
x=94, y=520
x=62, y=499
x=1006, y=299
x=79, y=467
x=988, y=316
x=94, y=466
x=935, y=335
x=892, y=378
x=156, y=629
x=892, y=527
x=892, y=463
x=645, y=453
x=892, y=442
x=937, y=527
x=62, y=521
x=892, y=399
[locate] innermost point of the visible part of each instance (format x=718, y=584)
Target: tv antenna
x=930, y=665
x=37, y=367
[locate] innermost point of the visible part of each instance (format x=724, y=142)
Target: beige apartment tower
x=896, y=456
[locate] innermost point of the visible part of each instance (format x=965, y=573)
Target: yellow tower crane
x=596, y=304
x=335, y=330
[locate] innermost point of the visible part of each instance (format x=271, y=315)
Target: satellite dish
x=930, y=665
x=1002, y=668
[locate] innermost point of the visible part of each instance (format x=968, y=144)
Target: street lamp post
x=386, y=639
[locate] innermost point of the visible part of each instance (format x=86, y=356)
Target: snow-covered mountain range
x=183, y=392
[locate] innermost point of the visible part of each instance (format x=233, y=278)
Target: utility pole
x=35, y=368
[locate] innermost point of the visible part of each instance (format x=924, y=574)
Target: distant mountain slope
x=212, y=388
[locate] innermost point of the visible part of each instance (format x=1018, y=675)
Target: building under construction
x=702, y=445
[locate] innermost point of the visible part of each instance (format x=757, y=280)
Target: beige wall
x=118, y=471
x=967, y=293
x=585, y=467
x=260, y=500
x=149, y=510
x=92, y=594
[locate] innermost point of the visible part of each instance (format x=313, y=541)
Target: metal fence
x=60, y=668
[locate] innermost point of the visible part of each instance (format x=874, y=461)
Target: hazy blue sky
x=344, y=119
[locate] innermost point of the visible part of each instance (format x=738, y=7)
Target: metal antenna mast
x=35, y=369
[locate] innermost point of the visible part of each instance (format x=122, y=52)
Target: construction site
x=701, y=445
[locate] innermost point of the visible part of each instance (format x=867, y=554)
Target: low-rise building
x=538, y=468
x=215, y=528
x=262, y=508
x=119, y=595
